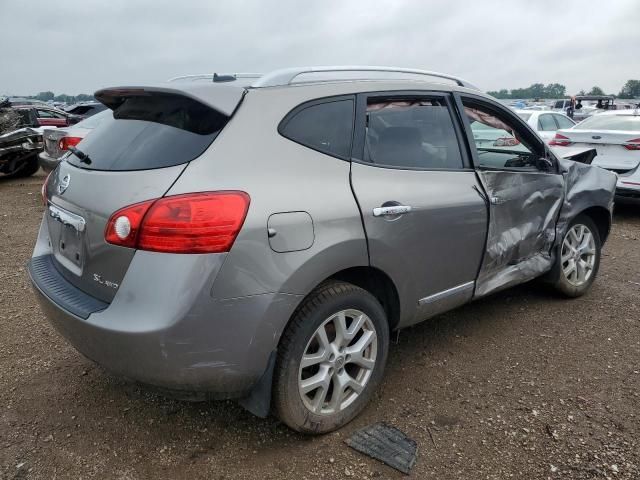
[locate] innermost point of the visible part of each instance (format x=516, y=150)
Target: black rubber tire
x=25, y=169
x=327, y=299
x=560, y=282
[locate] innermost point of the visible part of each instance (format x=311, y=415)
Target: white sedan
x=545, y=122
x=615, y=135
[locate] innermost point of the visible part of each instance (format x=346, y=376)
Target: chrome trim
x=286, y=76
x=392, y=210
x=67, y=218
x=447, y=293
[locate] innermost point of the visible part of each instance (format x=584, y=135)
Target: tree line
x=631, y=89
x=46, y=96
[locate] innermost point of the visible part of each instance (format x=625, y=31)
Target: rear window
x=326, y=126
x=151, y=131
x=610, y=122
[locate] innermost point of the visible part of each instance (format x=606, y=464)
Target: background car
x=85, y=109
x=58, y=140
x=50, y=117
x=545, y=123
x=615, y=134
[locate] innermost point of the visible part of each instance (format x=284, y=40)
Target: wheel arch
x=602, y=218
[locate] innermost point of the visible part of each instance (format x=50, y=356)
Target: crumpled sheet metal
x=523, y=211
x=537, y=221
x=585, y=186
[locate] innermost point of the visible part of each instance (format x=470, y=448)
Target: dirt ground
x=522, y=385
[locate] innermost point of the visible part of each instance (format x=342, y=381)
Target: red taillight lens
x=560, y=141
x=124, y=225
x=193, y=223
x=66, y=142
x=633, y=144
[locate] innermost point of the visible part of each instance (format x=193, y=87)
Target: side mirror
x=544, y=164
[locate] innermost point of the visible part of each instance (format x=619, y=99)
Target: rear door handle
x=391, y=210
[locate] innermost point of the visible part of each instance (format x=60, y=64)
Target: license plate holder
x=68, y=239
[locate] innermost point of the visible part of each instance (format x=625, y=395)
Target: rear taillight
x=560, y=141
x=632, y=144
x=66, y=142
x=205, y=222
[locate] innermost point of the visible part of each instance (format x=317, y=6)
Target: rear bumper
x=182, y=341
x=47, y=162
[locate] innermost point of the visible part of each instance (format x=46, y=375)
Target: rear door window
x=151, y=131
x=413, y=133
x=546, y=123
x=563, y=122
x=325, y=125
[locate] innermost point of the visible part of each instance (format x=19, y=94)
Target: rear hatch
x=133, y=157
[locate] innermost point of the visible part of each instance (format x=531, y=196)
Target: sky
x=79, y=46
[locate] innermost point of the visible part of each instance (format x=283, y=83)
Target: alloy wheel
x=337, y=362
x=578, y=255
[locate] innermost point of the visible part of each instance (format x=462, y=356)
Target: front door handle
x=392, y=210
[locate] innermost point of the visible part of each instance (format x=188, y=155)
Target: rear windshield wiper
x=84, y=158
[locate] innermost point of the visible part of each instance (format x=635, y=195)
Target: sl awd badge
x=64, y=184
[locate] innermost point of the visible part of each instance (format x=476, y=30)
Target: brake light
x=633, y=144
x=206, y=222
x=560, y=141
x=66, y=142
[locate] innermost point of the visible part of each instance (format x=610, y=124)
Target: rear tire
x=342, y=333
x=26, y=168
x=578, y=258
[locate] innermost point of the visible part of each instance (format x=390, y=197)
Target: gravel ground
x=519, y=385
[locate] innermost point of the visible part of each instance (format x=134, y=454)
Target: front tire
x=331, y=358
x=578, y=258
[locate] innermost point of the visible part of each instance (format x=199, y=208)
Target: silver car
x=260, y=238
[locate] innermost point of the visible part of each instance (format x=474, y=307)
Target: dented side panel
x=529, y=216
x=524, y=207
x=585, y=187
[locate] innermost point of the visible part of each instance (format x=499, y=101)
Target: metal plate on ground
x=386, y=444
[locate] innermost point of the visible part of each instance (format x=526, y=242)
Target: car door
x=525, y=192
x=421, y=206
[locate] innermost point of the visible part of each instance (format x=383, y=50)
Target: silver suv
x=259, y=238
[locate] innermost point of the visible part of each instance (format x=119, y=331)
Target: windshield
x=524, y=116
x=610, y=122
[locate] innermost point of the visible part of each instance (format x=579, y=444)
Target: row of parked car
x=23, y=122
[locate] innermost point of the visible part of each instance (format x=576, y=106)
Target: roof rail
x=286, y=76
x=210, y=76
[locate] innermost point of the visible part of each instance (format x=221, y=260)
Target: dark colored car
x=85, y=109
